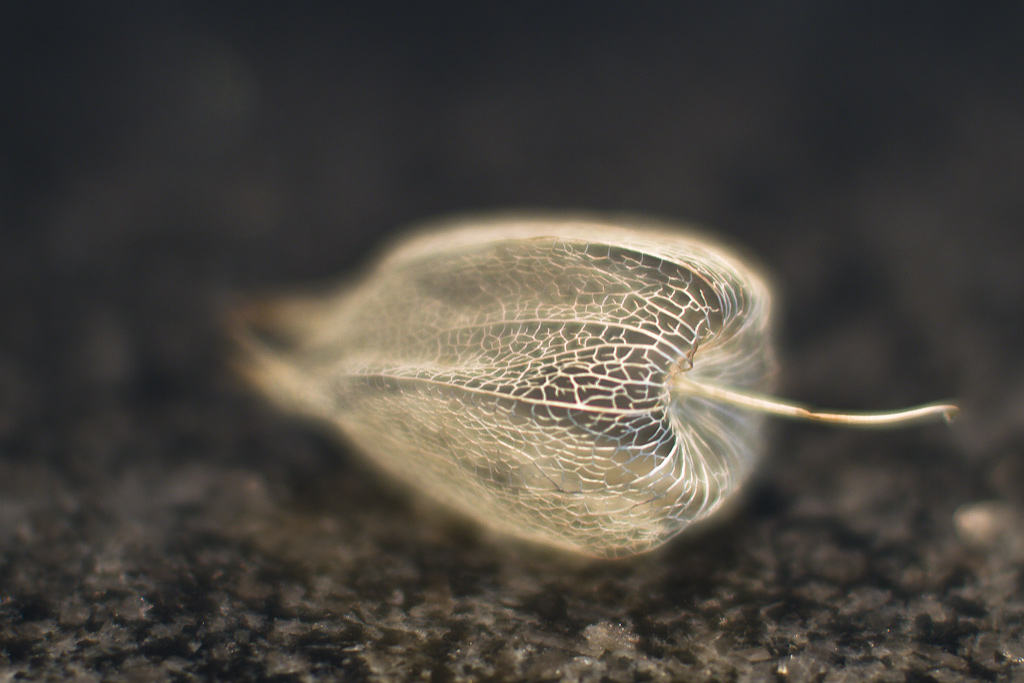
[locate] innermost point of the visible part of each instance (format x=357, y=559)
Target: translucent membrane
x=590, y=385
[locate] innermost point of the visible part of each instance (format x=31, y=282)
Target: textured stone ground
x=157, y=522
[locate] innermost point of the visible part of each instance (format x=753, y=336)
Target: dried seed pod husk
x=589, y=384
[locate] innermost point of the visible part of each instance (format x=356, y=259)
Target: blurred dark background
x=160, y=162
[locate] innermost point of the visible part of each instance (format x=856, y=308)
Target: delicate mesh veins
x=520, y=371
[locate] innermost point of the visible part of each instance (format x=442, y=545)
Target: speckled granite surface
x=159, y=523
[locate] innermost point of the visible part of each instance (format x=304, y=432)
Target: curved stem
x=930, y=412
